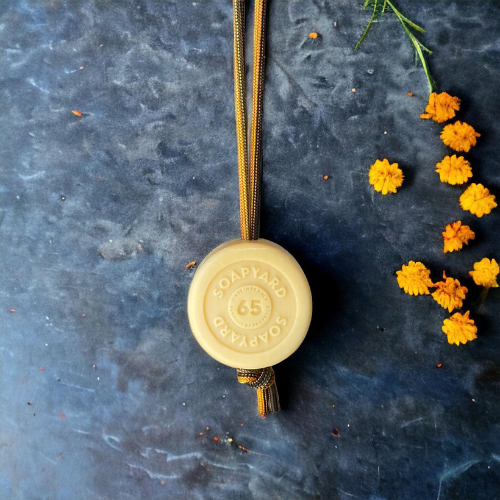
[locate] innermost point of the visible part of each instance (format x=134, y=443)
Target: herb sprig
x=379, y=7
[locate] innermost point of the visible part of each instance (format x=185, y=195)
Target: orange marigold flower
x=414, y=278
x=455, y=235
x=478, y=200
x=460, y=328
x=454, y=170
x=441, y=107
x=485, y=273
x=459, y=136
x=449, y=293
x=385, y=177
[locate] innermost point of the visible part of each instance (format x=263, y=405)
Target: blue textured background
x=149, y=178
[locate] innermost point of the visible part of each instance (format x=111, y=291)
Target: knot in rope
x=264, y=381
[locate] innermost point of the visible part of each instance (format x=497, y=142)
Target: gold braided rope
x=255, y=167
x=240, y=105
x=250, y=174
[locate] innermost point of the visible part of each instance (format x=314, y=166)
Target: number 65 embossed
x=255, y=308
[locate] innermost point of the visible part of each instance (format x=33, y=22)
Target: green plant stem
x=482, y=297
x=370, y=22
x=379, y=8
x=418, y=46
x=406, y=20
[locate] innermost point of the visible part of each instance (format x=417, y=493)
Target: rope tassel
x=264, y=381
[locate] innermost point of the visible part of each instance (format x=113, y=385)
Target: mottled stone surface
x=148, y=177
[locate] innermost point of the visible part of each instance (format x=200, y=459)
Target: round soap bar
x=249, y=304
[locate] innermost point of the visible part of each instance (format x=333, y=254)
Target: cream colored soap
x=249, y=304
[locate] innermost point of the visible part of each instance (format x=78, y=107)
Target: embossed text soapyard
x=250, y=304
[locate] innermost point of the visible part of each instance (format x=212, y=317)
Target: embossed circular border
x=236, y=251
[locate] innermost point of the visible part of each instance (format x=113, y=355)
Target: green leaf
x=424, y=47
x=412, y=24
